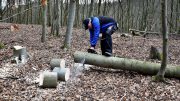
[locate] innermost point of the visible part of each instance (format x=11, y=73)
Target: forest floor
x=97, y=84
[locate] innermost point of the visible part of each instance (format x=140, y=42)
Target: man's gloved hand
x=92, y=51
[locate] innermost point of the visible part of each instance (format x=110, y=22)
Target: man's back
x=105, y=20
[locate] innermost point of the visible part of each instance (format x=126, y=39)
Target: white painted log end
x=17, y=47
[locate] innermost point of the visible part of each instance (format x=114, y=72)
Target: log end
x=67, y=74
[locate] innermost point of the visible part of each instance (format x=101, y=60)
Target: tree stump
x=63, y=73
x=20, y=54
x=155, y=53
x=57, y=63
x=48, y=80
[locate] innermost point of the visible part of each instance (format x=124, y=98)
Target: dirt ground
x=97, y=84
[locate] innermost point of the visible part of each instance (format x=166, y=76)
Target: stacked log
x=59, y=72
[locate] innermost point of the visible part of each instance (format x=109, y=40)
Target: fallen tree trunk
x=125, y=64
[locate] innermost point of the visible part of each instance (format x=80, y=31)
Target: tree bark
x=125, y=64
x=71, y=16
x=91, y=11
x=1, y=10
x=56, y=18
x=99, y=7
x=162, y=70
x=44, y=22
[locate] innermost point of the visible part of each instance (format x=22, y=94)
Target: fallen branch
x=135, y=30
x=9, y=77
x=13, y=27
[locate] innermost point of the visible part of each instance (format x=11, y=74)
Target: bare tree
x=160, y=74
x=77, y=17
x=99, y=7
x=91, y=11
x=71, y=17
x=56, y=18
x=1, y=10
x=44, y=22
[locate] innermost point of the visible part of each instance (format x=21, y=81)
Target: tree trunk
x=44, y=22
x=77, y=17
x=125, y=64
x=65, y=13
x=99, y=7
x=56, y=18
x=91, y=8
x=71, y=16
x=105, y=6
x=161, y=73
x=1, y=10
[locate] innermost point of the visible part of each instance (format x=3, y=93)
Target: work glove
x=92, y=51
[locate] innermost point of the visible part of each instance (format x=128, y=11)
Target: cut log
x=57, y=63
x=125, y=64
x=155, y=53
x=63, y=73
x=48, y=80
